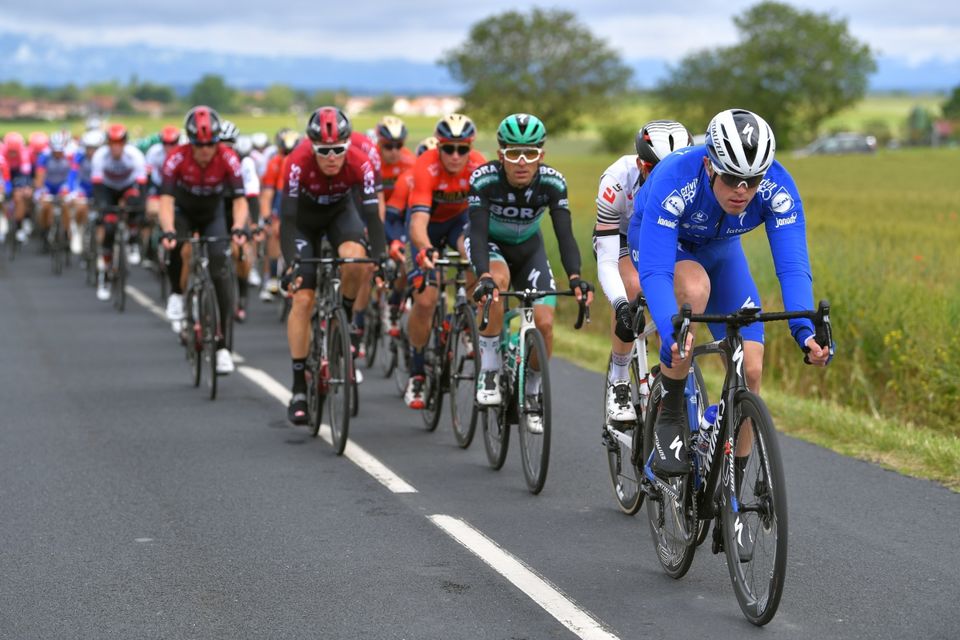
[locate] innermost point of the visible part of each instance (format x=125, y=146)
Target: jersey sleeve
x=421, y=194
x=657, y=246
x=251, y=181
x=563, y=225
x=787, y=235
x=96, y=165
x=139, y=172
x=479, y=213
x=611, y=205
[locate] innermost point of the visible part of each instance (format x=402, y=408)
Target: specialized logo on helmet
x=747, y=132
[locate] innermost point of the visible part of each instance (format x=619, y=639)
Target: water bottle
x=707, y=425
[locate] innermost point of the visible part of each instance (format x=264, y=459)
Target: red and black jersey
x=197, y=188
x=303, y=180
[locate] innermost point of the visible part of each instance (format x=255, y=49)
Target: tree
x=544, y=62
x=150, y=91
x=278, y=97
x=383, y=104
x=794, y=68
x=951, y=108
x=212, y=91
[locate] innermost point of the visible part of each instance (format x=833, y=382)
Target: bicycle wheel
x=340, y=366
x=754, y=513
x=191, y=337
x=624, y=475
x=316, y=381
x=671, y=508
x=535, y=443
x=209, y=322
x=433, y=356
x=388, y=356
x=401, y=372
x=56, y=247
x=464, y=362
x=496, y=435
x=118, y=284
x=371, y=337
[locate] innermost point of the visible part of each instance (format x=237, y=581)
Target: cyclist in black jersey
x=508, y=198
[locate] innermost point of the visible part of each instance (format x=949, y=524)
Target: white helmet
x=92, y=138
x=58, y=141
x=740, y=143
x=659, y=138
x=243, y=146
x=260, y=140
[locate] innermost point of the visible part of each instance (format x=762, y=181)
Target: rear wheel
x=755, y=511
x=463, y=367
x=619, y=441
x=534, y=438
x=340, y=365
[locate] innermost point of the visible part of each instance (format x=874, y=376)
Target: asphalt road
x=131, y=506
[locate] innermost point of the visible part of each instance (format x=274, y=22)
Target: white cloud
x=23, y=54
x=916, y=45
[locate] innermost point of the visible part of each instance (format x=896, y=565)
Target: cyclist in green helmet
x=508, y=197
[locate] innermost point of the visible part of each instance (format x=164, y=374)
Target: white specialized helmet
x=243, y=146
x=260, y=140
x=92, y=138
x=740, y=143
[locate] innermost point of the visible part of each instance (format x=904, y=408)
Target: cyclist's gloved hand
x=581, y=289
x=426, y=256
x=169, y=240
x=397, y=249
x=290, y=281
x=485, y=287
x=624, y=326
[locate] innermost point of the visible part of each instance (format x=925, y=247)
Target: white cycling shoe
x=224, y=362
x=488, y=389
x=619, y=406
x=175, y=307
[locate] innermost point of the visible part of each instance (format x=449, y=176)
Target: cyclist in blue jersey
x=55, y=176
x=685, y=241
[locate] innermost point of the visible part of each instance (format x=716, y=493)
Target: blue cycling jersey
x=59, y=171
x=676, y=212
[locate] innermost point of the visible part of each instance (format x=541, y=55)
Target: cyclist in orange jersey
x=438, y=216
x=270, y=186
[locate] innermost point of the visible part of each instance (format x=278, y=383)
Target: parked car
x=840, y=143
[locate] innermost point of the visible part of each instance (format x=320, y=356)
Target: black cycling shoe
x=297, y=409
x=669, y=453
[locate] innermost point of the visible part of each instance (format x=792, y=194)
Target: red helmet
x=329, y=125
x=117, y=133
x=202, y=125
x=170, y=135
x=38, y=141
x=13, y=141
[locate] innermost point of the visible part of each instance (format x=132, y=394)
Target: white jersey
x=251, y=179
x=618, y=186
x=118, y=173
x=260, y=160
x=155, y=156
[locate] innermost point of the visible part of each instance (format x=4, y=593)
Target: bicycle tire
x=464, y=363
x=401, y=372
x=624, y=475
x=433, y=377
x=388, y=358
x=354, y=394
x=496, y=436
x=209, y=323
x=56, y=248
x=371, y=337
x=758, y=517
x=191, y=338
x=340, y=366
x=535, y=447
x=676, y=545
x=316, y=392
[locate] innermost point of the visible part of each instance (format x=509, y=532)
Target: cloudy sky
x=912, y=33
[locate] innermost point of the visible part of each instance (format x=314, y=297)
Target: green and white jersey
x=515, y=213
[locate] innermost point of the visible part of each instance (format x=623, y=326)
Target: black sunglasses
x=204, y=144
x=459, y=149
x=392, y=146
x=734, y=182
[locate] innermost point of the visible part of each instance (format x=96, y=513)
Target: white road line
x=567, y=612
x=144, y=301
x=354, y=452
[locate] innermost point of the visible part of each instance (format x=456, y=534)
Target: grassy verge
x=905, y=448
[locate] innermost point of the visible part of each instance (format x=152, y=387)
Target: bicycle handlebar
x=528, y=297
x=823, y=331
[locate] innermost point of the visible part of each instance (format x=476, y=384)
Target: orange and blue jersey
x=438, y=193
x=391, y=172
x=396, y=222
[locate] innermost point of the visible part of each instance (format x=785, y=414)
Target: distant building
x=357, y=104
x=427, y=105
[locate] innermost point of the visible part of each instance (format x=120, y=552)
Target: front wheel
x=434, y=356
x=191, y=338
x=671, y=507
x=496, y=435
x=535, y=418
x=340, y=366
x=464, y=364
x=119, y=284
x=755, y=511
x=209, y=323
x=314, y=374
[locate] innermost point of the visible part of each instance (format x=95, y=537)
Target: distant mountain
x=34, y=60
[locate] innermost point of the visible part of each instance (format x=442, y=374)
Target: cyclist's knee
x=302, y=303
x=753, y=364
x=351, y=249
x=426, y=299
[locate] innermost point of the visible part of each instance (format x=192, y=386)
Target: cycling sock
x=489, y=346
x=532, y=385
x=348, y=307
x=394, y=299
x=417, y=365
x=243, y=287
x=619, y=367
x=672, y=395
x=299, y=377
x=360, y=319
